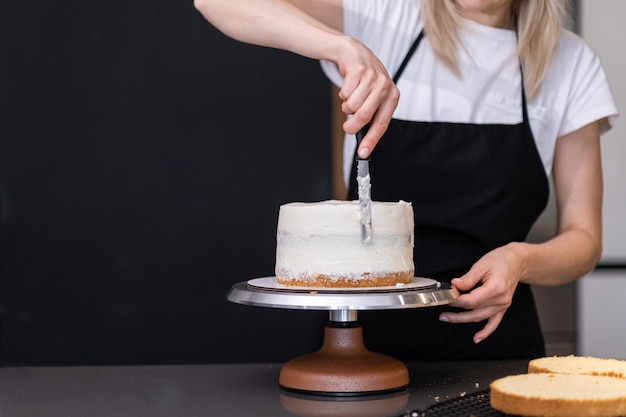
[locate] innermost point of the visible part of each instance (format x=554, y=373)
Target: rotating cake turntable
x=343, y=366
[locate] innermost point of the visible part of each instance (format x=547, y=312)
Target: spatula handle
x=359, y=138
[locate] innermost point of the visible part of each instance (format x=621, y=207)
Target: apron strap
x=524, y=108
x=408, y=56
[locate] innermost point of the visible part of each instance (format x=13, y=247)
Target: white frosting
x=365, y=203
x=325, y=238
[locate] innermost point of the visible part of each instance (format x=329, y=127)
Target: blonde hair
x=539, y=27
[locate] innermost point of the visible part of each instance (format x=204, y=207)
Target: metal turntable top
x=265, y=292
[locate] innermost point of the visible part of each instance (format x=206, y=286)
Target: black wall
x=143, y=160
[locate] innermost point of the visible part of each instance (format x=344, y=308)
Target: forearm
x=274, y=23
x=564, y=258
x=577, y=247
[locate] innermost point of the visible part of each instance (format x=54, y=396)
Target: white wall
x=603, y=25
x=601, y=310
x=602, y=314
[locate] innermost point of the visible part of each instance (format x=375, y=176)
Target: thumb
x=467, y=281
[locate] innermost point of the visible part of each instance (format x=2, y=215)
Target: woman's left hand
x=491, y=283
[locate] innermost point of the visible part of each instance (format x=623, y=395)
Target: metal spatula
x=364, y=191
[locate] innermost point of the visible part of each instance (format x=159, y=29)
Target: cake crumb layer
x=368, y=280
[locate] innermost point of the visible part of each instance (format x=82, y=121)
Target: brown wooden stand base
x=344, y=366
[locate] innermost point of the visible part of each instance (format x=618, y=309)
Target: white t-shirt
x=575, y=91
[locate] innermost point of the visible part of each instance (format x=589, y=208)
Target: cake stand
x=343, y=366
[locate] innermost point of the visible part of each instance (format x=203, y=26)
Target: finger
x=469, y=280
x=465, y=283
x=354, y=102
x=471, y=316
x=357, y=88
x=378, y=121
x=480, y=296
x=491, y=326
x=368, y=100
x=374, y=133
x=350, y=84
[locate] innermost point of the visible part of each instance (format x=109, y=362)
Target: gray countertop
x=220, y=390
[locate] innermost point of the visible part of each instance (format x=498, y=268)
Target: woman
x=495, y=96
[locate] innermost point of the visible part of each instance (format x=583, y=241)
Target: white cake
x=319, y=245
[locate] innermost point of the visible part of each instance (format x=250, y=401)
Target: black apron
x=474, y=187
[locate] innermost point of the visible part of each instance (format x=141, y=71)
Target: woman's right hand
x=368, y=94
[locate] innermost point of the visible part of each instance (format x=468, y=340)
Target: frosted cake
x=319, y=245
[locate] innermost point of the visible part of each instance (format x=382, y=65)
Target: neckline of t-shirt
x=493, y=32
